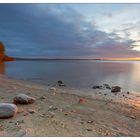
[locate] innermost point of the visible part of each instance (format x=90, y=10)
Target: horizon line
x=109, y=59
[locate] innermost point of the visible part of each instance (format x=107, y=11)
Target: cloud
x=56, y=30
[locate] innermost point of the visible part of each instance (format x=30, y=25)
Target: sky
x=71, y=30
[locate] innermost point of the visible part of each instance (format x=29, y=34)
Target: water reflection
x=2, y=68
x=81, y=74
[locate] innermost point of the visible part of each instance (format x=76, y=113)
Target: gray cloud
x=56, y=30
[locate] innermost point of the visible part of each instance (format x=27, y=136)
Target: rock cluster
x=4, y=57
x=8, y=110
x=104, y=86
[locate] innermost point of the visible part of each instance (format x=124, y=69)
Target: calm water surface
x=77, y=74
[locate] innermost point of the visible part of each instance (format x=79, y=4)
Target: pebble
x=17, y=125
x=66, y=114
x=52, y=89
x=81, y=100
x=20, y=111
x=42, y=97
x=116, y=89
x=88, y=129
x=21, y=121
x=51, y=115
x=132, y=117
x=90, y=121
x=25, y=113
x=73, y=111
x=21, y=133
x=1, y=128
x=61, y=110
x=31, y=111
x=63, y=125
x=61, y=83
x=52, y=108
x=97, y=87
x=41, y=115
x=82, y=122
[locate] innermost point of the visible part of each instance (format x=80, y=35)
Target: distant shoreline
x=75, y=59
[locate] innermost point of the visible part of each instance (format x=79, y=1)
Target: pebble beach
x=63, y=111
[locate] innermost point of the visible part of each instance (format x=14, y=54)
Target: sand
x=101, y=113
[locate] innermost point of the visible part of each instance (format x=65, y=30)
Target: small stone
x=107, y=86
x=52, y=108
x=23, y=99
x=51, y=115
x=42, y=97
x=63, y=125
x=52, y=89
x=128, y=92
x=20, y=111
x=25, y=113
x=116, y=89
x=132, y=117
x=90, y=121
x=31, y=111
x=105, y=94
x=1, y=127
x=88, y=129
x=81, y=100
x=97, y=87
x=21, y=133
x=82, y=122
x=61, y=110
x=41, y=115
x=73, y=111
x=61, y=83
x=7, y=110
x=21, y=121
x=16, y=123
x=66, y=114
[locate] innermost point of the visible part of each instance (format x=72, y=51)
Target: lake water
x=76, y=73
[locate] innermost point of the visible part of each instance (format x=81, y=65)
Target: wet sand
x=101, y=113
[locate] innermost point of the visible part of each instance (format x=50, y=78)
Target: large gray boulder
x=23, y=99
x=7, y=110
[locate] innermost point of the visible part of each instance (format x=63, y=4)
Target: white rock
x=7, y=110
x=52, y=89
